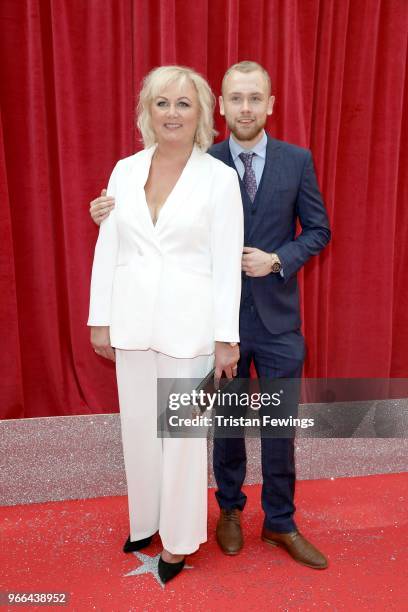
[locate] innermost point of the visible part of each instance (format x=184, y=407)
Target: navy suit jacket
x=288, y=192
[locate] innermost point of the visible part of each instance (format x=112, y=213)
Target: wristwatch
x=276, y=265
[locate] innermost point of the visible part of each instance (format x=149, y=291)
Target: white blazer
x=175, y=286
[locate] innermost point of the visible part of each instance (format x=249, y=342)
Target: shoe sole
x=231, y=553
x=277, y=545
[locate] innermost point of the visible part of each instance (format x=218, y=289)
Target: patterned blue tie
x=249, y=179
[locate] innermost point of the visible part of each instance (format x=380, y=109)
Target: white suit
x=168, y=292
x=174, y=287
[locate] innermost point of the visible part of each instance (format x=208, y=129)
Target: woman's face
x=175, y=113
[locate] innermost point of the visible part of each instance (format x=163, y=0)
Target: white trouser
x=166, y=477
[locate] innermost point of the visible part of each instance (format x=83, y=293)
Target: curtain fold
x=70, y=73
x=10, y=362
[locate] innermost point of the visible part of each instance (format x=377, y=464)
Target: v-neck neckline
x=171, y=194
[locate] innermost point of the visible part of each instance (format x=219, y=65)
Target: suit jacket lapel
x=269, y=182
x=138, y=210
x=224, y=155
x=181, y=190
x=136, y=198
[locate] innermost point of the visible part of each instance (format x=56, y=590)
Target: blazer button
x=253, y=212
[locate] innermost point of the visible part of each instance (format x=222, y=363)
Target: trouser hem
x=281, y=527
x=183, y=550
x=142, y=536
x=231, y=507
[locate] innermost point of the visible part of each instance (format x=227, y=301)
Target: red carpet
x=75, y=547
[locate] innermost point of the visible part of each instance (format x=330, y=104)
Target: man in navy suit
x=278, y=188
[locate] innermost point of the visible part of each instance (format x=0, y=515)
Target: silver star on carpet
x=150, y=565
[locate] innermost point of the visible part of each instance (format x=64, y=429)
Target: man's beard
x=245, y=134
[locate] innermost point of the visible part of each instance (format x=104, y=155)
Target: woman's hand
x=226, y=359
x=100, y=340
x=100, y=208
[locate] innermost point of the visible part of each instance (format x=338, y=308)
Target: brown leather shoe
x=297, y=546
x=229, y=532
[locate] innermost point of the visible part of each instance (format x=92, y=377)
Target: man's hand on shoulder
x=258, y=263
x=100, y=208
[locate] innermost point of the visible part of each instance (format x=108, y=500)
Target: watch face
x=276, y=267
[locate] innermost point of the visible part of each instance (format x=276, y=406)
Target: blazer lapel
x=223, y=153
x=136, y=197
x=269, y=182
x=182, y=189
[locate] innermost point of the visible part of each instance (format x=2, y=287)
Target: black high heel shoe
x=168, y=571
x=137, y=545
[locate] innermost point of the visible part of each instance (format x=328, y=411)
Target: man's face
x=246, y=104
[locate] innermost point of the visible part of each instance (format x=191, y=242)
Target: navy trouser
x=274, y=356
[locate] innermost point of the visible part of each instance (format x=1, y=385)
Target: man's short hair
x=246, y=67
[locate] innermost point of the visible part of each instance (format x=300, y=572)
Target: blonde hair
x=245, y=67
x=155, y=82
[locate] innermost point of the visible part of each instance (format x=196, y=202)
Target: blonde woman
x=165, y=296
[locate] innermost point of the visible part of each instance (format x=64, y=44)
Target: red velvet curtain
x=69, y=76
